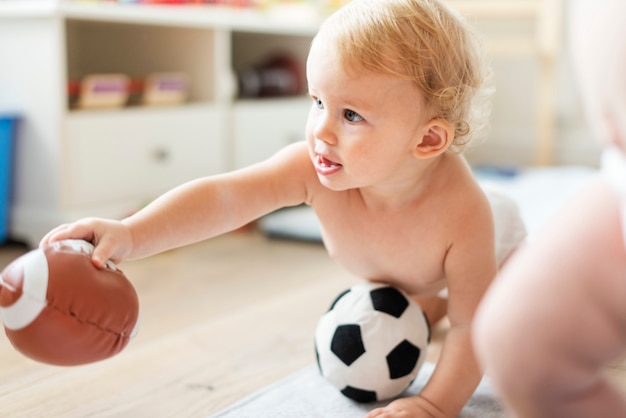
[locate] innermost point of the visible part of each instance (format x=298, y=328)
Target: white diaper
x=509, y=227
x=614, y=171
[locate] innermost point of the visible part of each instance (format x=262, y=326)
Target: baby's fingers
x=105, y=250
x=77, y=230
x=85, y=229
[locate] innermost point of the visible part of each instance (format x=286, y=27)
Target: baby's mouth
x=325, y=162
x=326, y=167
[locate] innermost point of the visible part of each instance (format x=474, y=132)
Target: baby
x=396, y=91
x=557, y=314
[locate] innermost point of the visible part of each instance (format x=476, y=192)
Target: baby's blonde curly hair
x=426, y=42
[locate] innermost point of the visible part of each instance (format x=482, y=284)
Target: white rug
x=307, y=395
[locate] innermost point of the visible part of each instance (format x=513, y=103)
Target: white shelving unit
x=74, y=163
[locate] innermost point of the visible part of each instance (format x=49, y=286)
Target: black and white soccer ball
x=372, y=342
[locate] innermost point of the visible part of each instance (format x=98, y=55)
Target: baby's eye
x=318, y=103
x=352, y=116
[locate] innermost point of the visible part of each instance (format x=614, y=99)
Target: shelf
x=191, y=16
x=278, y=21
x=21, y=9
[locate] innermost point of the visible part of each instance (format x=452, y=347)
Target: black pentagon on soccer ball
x=347, y=343
x=402, y=359
x=389, y=300
x=359, y=395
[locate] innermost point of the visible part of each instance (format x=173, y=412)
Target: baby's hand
x=411, y=407
x=112, y=239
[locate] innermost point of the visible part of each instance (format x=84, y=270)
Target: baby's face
x=362, y=126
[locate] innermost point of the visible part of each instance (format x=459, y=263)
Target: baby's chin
x=335, y=184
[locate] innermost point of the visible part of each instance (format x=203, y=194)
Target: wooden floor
x=219, y=320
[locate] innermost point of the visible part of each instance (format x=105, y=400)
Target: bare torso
x=405, y=246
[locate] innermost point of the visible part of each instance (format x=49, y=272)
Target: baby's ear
x=435, y=138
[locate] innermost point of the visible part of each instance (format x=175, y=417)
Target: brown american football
x=58, y=308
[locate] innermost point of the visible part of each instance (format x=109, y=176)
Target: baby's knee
x=488, y=336
x=498, y=343
x=504, y=345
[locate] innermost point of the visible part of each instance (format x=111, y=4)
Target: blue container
x=7, y=130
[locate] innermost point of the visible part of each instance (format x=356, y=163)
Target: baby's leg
x=557, y=315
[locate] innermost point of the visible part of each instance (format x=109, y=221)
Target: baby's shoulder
x=456, y=181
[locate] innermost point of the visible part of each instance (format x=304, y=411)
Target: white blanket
x=308, y=395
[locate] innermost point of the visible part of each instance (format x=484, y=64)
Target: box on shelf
x=114, y=90
x=7, y=133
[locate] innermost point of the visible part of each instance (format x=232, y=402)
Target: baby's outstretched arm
x=197, y=210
